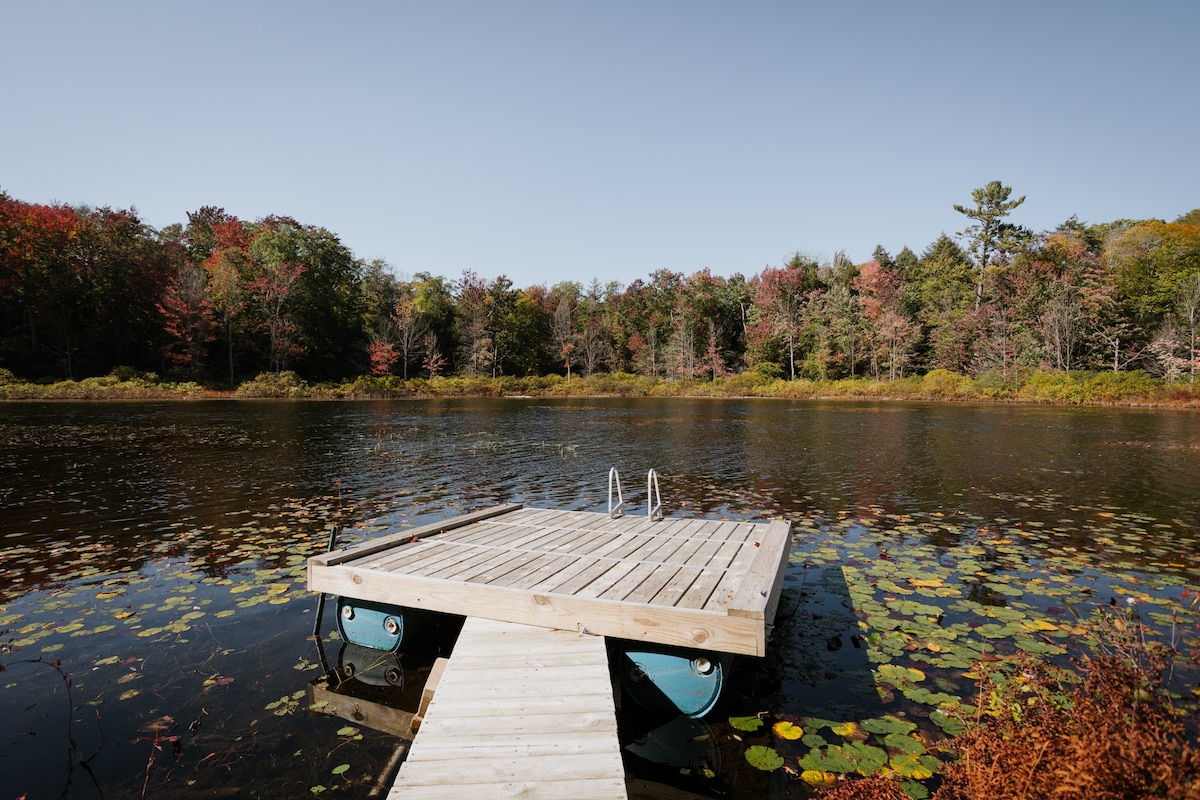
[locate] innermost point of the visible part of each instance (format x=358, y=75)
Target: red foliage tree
x=188, y=317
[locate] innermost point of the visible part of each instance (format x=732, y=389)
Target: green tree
x=379, y=289
x=989, y=234
x=516, y=328
x=1150, y=261
x=327, y=306
x=433, y=303
x=594, y=337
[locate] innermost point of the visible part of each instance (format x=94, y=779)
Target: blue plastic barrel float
x=672, y=680
x=377, y=625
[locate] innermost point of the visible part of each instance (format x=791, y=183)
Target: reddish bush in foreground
x=1117, y=734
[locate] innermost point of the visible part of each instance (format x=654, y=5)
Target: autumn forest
x=219, y=300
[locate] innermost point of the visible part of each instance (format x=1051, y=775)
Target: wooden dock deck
x=518, y=712
x=694, y=583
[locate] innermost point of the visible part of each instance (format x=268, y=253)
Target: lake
x=155, y=628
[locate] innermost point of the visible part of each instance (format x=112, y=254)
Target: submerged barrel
x=672, y=680
x=377, y=625
x=371, y=666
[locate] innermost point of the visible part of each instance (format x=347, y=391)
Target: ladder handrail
x=653, y=497
x=614, y=511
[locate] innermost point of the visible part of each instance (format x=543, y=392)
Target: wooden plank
x=405, y=556
x=630, y=582
x=469, y=562
x=545, y=567
x=414, y=550
x=645, y=591
x=500, y=572
x=688, y=549
x=695, y=529
x=446, y=558
x=698, y=594
x=430, y=688
x=502, y=532
x=580, y=788
x=577, y=541
x=386, y=542
x=664, y=550
x=544, y=726
x=675, y=589
x=374, y=715
x=759, y=594
x=410, y=557
x=614, y=574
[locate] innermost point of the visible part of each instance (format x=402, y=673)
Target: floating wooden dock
x=518, y=712
x=525, y=706
x=694, y=583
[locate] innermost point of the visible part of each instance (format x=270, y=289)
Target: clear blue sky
x=565, y=140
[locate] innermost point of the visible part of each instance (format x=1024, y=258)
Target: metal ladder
x=654, y=510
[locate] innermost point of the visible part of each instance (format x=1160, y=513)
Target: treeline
x=220, y=300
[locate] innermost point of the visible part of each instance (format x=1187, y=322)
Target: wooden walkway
x=518, y=712
x=690, y=582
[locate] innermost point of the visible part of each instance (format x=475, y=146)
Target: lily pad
x=816, y=777
x=764, y=758
x=914, y=766
x=827, y=759
x=888, y=725
x=950, y=725
x=867, y=759
x=748, y=724
x=904, y=743
x=787, y=730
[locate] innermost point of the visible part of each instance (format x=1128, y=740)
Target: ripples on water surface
x=156, y=551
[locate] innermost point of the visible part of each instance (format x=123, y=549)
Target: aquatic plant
x=1123, y=732
x=1117, y=729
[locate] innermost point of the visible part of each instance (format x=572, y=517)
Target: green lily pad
x=764, y=758
x=1038, y=647
x=888, y=725
x=813, y=740
x=904, y=743
x=950, y=725
x=912, y=608
x=915, y=766
x=746, y=723
x=867, y=759
x=896, y=674
x=827, y=759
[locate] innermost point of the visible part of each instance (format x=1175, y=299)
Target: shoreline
x=1080, y=389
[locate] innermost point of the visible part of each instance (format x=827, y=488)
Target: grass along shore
x=1059, y=388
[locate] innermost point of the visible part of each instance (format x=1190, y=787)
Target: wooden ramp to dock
x=518, y=712
x=690, y=582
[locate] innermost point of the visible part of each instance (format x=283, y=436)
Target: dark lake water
x=155, y=629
